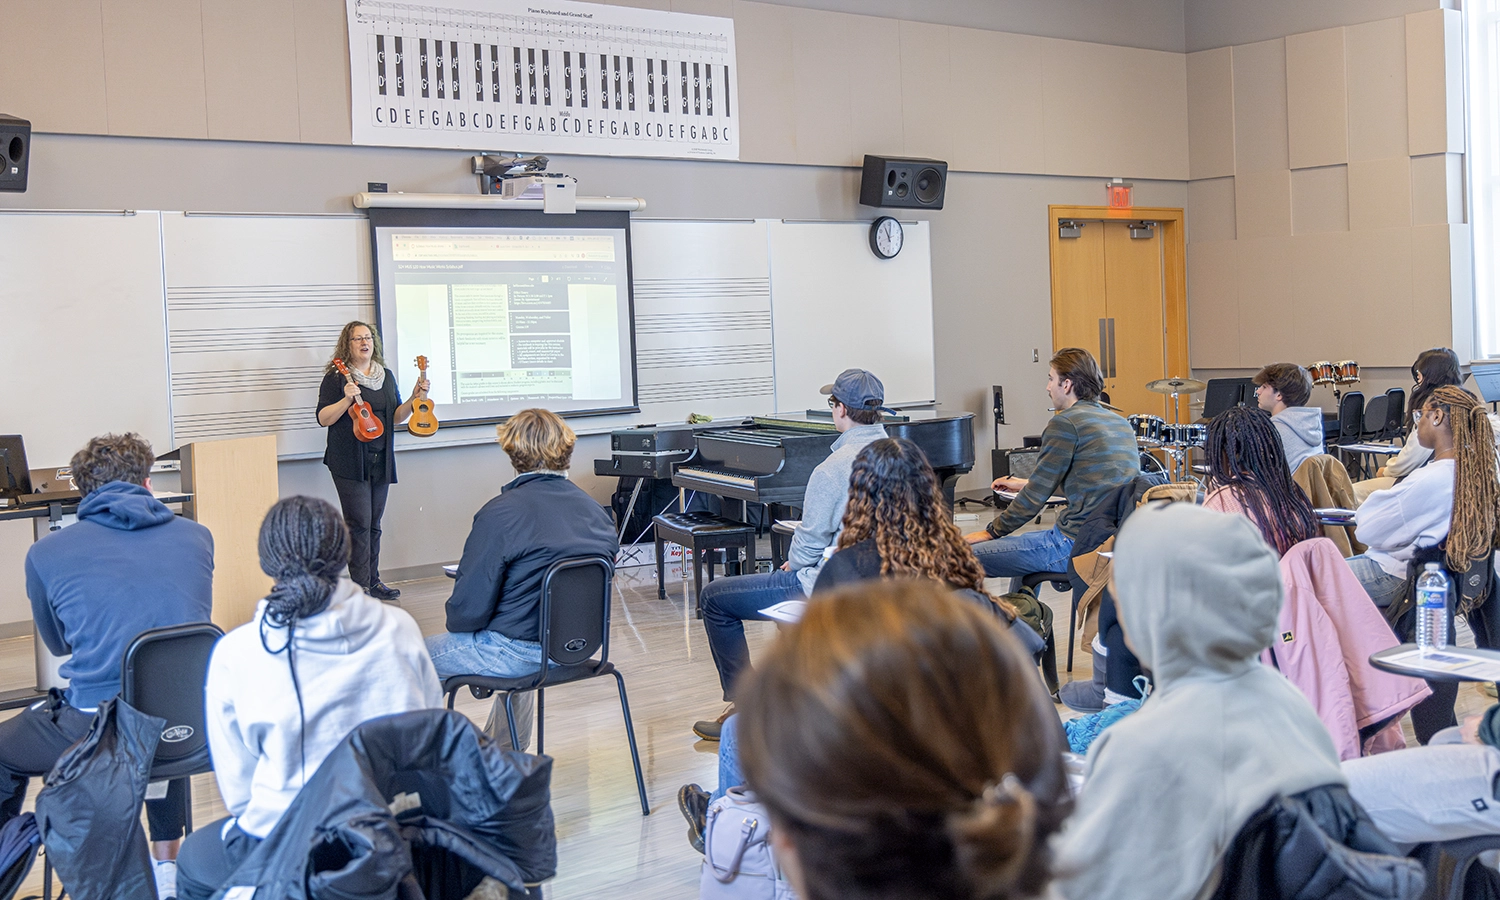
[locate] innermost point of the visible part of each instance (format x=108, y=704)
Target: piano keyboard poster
x=545, y=77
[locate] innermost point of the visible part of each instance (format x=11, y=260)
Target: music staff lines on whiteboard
x=219, y=340
x=563, y=77
x=269, y=296
x=665, y=323
x=677, y=358
x=230, y=381
x=706, y=390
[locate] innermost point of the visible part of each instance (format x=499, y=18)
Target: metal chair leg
x=510, y=720
x=187, y=806
x=451, y=694
x=661, y=569
x=540, y=703
x=635, y=756
x=1072, y=630
x=46, y=876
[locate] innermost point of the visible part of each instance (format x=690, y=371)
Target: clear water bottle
x=1432, y=608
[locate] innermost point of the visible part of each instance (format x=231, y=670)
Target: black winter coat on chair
x=420, y=804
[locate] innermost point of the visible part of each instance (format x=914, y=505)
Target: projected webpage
x=509, y=318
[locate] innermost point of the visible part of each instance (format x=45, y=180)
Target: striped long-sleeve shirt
x=1087, y=451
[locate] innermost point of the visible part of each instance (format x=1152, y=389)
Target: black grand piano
x=770, y=459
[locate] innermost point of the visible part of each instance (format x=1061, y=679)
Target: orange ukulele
x=423, y=422
x=367, y=425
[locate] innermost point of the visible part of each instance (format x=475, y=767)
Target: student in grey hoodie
x=1168, y=787
x=1282, y=390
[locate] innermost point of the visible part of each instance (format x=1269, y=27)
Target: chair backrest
x=1395, y=414
x=1375, y=417
x=1222, y=393
x=163, y=674
x=1351, y=416
x=575, y=609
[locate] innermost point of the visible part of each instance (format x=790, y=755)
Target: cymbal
x=1176, y=386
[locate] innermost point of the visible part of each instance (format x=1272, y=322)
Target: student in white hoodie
x=319, y=658
x=1282, y=389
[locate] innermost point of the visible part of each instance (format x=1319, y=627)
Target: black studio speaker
x=15, y=152
x=903, y=183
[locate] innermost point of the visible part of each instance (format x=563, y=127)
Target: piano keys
x=433, y=69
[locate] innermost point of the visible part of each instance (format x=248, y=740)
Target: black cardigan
x=347, y=456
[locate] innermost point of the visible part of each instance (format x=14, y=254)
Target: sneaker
x=381, y=591
x=165, y=871
x=708, y=729
x=692, y=801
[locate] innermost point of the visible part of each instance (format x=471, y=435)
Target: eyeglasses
x=367, y=339
x=832, y=402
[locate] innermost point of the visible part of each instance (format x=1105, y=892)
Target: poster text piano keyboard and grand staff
x=526, y=75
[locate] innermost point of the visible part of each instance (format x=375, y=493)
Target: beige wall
x=1326, y=214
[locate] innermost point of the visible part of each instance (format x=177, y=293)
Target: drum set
x=1174, y=441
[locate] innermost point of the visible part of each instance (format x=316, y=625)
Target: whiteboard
x=835, y=305
x=81, y=319
x=254, y=308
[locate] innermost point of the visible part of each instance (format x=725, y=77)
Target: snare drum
x=1323, y=372
x=1148, y=429
x=1185, y=435
x=1346, y=372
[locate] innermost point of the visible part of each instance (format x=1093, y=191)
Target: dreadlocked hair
x=894, y=499
x=1245, y=455
x=304, y=545
x=1476, y=493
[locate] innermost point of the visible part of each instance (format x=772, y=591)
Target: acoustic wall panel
x=1265, y=270
x=1320, y=199
x=981, y=129
x=1263, y=204
x=1380, y=274
x=821, y=57
x=1317, y=110
x=1434, y=299
x=1375, y=61
x=876, y=54
x=52, y=65
x=1434, y=82
x=927, y=101
x=1210, y=84
x=250, y=69
x=322, y=30
x=1210, y=210
x=145, y=96
x=1437, y=195
x=1319, y=299
x=1380, y=193
x=1213, y=304
x=763, y=50
x=1260, y=112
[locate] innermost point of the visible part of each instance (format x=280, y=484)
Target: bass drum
x=1150, y=465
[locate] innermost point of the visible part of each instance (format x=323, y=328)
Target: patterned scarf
x=373, y=382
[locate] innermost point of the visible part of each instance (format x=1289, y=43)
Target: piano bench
x=701, y=533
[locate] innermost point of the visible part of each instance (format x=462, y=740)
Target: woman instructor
x=362, y=472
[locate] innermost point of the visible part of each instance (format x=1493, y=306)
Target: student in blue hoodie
x=127, y=566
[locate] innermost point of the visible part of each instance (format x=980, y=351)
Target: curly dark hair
x=1244, y=453
x=894, y=499
x=112, y=457
x=341, y=349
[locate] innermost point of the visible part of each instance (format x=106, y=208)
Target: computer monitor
x=15, y=478
x=1487, y=380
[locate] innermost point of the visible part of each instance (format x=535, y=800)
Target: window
x=1482, y=38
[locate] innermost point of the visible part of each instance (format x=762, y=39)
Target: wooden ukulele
x=423, y=422
x=367, y=425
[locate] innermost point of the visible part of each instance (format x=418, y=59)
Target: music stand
x=15, y=478
x=1487, y=379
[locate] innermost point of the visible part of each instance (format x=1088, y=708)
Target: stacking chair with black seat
x=1376, y=418
x=1048, y=661
x=1395, y=415
x=574, y=625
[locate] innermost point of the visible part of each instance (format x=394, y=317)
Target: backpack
x=19, y=840
x=738, y=863
x=1031, y=611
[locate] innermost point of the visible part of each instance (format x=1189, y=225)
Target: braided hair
x=1245, y=455
x=304, y=545
x=1476, y=493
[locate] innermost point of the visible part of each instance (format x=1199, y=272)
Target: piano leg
x=950, y=480
x=698, y=580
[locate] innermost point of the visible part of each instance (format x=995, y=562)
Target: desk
x=1449, y=664
x=48, y=518
x=1364, y=451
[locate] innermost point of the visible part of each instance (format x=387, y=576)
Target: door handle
x=1103, y=349
x=1112, y=372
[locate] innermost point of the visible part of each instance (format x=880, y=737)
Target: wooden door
x=1079, y=307
x=1134, y=319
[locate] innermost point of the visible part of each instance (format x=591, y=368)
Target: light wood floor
x=605, y=846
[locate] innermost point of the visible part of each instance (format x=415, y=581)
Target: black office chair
x=163, y=674
x=574, y=625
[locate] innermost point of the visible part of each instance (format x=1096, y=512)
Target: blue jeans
x=1022, y=554
x=727, y=603
x=1383, y=587
x=491, y=653
x=730, y=774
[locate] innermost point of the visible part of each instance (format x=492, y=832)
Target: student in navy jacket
x=127, y=566
x=538, y=519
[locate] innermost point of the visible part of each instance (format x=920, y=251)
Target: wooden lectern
x=233, y=483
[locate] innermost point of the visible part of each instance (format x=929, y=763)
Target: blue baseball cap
x=857, y=389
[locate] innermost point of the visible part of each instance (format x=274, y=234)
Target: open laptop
x=22, y=486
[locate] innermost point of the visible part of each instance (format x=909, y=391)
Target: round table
x=1383, y=661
